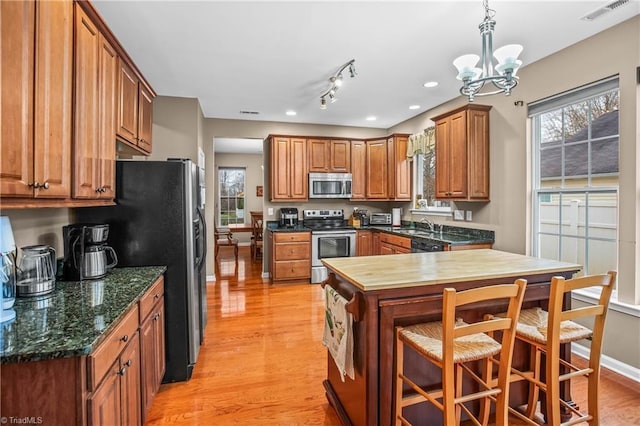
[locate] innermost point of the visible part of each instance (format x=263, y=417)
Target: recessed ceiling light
x=414, y=107
x=371, y=118
x=291, y=112
x=431, y=84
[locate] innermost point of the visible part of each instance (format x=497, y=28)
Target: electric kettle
x=36, y=271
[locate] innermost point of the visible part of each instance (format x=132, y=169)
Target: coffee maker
x=86, y=255
x=288, y=217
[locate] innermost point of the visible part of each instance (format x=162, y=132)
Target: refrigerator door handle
x=202, y=240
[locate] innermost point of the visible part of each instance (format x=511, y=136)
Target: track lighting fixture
x=336, y=82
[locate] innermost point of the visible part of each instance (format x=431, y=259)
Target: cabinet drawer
x=104, y=356
x=287, y=237
x=292, y=251
x=151, y=298
x=292, y=269
x=395, y=240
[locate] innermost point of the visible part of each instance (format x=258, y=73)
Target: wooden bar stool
x=450, y=344
x=546, y=331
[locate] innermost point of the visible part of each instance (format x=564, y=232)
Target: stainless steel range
x=330, y=237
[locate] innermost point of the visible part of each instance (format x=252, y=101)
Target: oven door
x=326, y=244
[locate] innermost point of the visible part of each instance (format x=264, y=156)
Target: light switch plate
x=270, y=211
x=468, y=215
x=458, y=215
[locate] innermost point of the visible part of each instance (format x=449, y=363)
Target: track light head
x=323, y=103
x=352, y=70
x=336, y=82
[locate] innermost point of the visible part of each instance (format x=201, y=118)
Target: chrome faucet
x=429, y=223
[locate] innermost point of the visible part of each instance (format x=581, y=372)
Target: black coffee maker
x=288, y=217
x=85, y=251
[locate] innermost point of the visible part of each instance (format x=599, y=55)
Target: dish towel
x=338, y=332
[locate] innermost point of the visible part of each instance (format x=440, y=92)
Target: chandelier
x=503, y=76
x=336, y=83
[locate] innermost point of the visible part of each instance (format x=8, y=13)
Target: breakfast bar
x=392, y=290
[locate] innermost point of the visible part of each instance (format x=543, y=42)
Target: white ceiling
x=270, y=57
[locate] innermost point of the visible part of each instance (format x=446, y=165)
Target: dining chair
x=224, y=238
x=545, y=332
x=256, y=234
x=450, y=344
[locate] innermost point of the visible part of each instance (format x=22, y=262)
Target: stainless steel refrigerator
x=159, y=220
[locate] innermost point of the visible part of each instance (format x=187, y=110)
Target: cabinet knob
x=45, y=185
x=98, y=189
x=125, y=338
x=128, y=363
x=156, y=296
x=122, y=371
x=34, y=185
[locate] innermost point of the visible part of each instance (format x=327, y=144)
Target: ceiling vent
x=604, y=9
x=249, y=112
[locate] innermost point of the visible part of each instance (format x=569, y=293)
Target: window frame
x=219, y=196
x=418, y=179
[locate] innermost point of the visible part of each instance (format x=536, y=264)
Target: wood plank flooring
x=263, y=362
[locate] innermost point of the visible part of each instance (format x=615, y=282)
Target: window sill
x=615, y=305
x=433, y=211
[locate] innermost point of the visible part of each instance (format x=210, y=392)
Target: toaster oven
x=380, y=219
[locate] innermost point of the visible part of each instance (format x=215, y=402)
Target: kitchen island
x=392, y=290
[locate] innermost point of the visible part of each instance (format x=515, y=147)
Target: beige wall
x=176, y=128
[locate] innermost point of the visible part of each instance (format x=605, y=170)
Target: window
x=575, y=183
x=231, y=184
x=425, y=166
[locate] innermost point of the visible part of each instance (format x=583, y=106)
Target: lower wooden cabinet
x=364, y=243
x=394, y=244
x=291, y=259
x=152, y=354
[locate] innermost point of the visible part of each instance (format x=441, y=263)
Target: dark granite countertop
x=446, y=234
x=75, y=317
x=274, y=226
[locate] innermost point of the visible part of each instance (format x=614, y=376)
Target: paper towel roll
x=395, y=216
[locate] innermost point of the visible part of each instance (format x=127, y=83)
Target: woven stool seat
x=532, y=325
x=426, y=338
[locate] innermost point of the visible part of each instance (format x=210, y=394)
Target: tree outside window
x=231, y=195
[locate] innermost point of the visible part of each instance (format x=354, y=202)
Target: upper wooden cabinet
x=36, y=79
x=135, y=103
x=462, y=153
x=288, y=162
x=94, y=111
x=358, y=170
x=399, y=168
x=329, y=156
x=377, y=167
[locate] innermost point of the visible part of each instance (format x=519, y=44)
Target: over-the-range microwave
x=330, y=185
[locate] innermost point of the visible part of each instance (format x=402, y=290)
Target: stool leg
x=534, y=391
x=485, y=404
x=553, y=385
x=458, y=391
x=399, y=371
x=592, y=391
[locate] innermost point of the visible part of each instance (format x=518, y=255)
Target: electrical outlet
x=468, y=216
x=458, y=215
x=270, y=211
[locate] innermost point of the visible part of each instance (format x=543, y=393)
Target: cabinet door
x=130, y=383
x=145, y=118
x=358, y=170
x=318, y=155
x=340, y=156
x=443, y=167
x=104, y=405
x=17, y=28
x=127, y=104
x=387, y=249
x=299, y=181
x=375, y=243
x=279, y=168
x=107, y=89
x=53, y=91
x=364, y=243
x=401, y=169
x=159, y=344
x=86, y=143
x=148, y=355
x=478, y=146
x=377, y=170
x=458, y=155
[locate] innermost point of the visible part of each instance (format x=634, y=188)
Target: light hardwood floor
x=263, y=363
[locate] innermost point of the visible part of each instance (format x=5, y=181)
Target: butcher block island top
x=384, y=292
x=369, y=273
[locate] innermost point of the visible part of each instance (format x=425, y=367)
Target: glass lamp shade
x=508, y=55
x=7, y=243
x=466, y=65
x=513, y=66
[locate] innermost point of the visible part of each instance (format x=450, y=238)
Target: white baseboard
x=211, y=277
x=609, y=363
x=266, y=275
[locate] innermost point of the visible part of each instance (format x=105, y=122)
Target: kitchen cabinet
x=462, y=154
x=36, y=73
x=364, y=243
x=135, y=103
x=377, y=167
x=288, y=162
x=450, y=247
x=329, y=156
x=291, y=256
x=375, y=242
x=399, y=168
x=394, y=244
x=358, y=170
x=94, y=111
x=152, y=344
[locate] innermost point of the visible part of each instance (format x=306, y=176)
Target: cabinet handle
x=128, y=363
x=125, y=338
x=34, y=185
x=98, y=189
x=156, y=296
x=45, y=185
x=122, y=371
